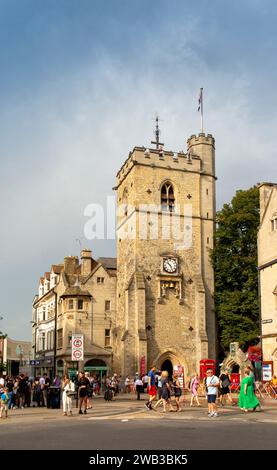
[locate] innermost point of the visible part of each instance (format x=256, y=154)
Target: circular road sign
x=77, y=354
x=77, y=343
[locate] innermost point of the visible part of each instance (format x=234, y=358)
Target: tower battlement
x=201, y=139
x=159, y=158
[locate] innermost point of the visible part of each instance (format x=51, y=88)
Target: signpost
x=77, y=353
x=77, y=348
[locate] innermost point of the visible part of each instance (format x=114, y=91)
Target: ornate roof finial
x=157, y=133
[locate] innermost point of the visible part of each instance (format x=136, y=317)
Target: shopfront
x=98, y=368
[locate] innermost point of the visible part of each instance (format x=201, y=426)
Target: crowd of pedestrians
x=163, y=390
x=23, y=391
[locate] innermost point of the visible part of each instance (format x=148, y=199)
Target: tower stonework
x=165, y=284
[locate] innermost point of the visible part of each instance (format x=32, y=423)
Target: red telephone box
x=206, y=364
x=235, y=380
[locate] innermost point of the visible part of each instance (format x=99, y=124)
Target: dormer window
x=167, y=197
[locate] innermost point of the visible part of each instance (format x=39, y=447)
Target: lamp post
x=2, y=337
x=34, y=346
x=55, y=334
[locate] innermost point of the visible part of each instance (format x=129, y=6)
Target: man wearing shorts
x=152, y=391
x=212, y=384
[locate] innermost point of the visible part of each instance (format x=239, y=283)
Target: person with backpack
x=4, y=402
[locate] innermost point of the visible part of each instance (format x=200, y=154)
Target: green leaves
x=235, y=263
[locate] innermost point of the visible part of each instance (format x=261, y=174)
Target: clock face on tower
x=170, y=265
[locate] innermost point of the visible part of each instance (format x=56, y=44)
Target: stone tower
x=165, y=282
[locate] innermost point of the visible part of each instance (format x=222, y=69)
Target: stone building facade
x=165, y=283
x=155, y=305
x=267, y=262
x=82, y=300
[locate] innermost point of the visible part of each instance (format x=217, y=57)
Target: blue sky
x=80, y=84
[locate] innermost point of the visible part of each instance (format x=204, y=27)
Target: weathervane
x=157, y=133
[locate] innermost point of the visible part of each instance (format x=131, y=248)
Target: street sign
x=34, y=362
x=267, y=371
x=77, y=348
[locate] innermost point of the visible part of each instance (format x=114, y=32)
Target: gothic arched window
x=167, y=197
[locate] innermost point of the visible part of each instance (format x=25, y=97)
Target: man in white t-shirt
x=212, y=384
x=145, y=382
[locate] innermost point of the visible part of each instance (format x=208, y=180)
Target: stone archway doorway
x=168, y=366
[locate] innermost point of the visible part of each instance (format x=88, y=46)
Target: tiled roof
x=57, y=268
x=47, y=276
x=74, y=291
x=108, y=263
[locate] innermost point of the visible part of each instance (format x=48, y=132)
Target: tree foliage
x=235, y=263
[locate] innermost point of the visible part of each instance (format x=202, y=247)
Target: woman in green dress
x=247, y=398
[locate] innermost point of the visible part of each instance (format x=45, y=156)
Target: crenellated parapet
x=161, y=158
x=201, y=138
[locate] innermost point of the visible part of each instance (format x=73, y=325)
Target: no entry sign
x=77, y=348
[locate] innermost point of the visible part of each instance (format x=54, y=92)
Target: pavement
x=125, y=406
x=125, y=424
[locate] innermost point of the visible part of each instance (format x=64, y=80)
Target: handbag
x=226, y=383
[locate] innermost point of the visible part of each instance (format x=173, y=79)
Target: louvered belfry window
x=167, y=197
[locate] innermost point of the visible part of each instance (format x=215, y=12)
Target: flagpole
x=201, y=109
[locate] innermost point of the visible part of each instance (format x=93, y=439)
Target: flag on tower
x=200, y=99
x=200, y=106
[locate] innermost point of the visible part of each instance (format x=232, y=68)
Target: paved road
x=125, y=424
x=139, y=434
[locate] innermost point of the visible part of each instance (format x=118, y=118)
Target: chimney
x=71, y=264
x=86, y=262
